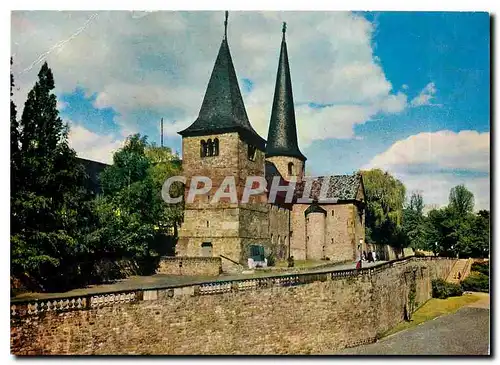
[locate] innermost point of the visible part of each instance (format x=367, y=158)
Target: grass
x=434, y=308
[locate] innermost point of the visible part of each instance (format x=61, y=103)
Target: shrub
x=419, y=254
x=476, y=281
x=271, y=259
x=482, y=267
x=442, y=289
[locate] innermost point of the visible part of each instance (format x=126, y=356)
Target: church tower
x=282, y=145
x=222, y=145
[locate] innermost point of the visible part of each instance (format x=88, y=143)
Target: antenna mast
x=161, y=135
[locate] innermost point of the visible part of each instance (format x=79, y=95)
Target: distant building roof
x=340, y=187
x=93, y=169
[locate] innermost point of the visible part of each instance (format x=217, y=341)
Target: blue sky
x=404, y=91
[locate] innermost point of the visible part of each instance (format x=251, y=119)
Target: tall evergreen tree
x=50, y=191
x=14, y=157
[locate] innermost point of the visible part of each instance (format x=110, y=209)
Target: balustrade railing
x=20, y=308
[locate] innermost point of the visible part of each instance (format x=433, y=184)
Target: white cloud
x=91, y=145
x=443, y=149
x=161, y=61
x=60, y=105
x=436, y=162
x=426, y=95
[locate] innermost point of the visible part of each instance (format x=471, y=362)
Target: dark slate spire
x=222, y=109
x=282, y=136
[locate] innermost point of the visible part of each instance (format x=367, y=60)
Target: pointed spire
x=225, y=25
x=282, y=136
x=223, y=109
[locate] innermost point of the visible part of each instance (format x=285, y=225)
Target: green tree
x=14, y=158
x=49, y=193
x=132, y=189
x=414, y=222
x=165, y=164
x=385, y=196
x=461, y=200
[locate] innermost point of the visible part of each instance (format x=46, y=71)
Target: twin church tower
x=221, y=142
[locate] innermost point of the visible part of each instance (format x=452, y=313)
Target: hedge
x=442, y=289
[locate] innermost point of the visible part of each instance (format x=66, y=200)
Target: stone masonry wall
x=281, y=163
x=279, y=230
x=229, y=226
x=340, y=240
x=315, y=235
x=342, y=231
x=294, y=314
x=206, y=266
x=298, y=239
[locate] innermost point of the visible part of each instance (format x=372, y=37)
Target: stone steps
x=462, y=266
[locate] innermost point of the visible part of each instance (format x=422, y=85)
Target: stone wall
x=192, y=266
x=343, y=228
x=315, y=235
x=279, y=231
x=288, y=314
x=281, y=163
x=298, y=234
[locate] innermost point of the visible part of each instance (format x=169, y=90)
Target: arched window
x=203, y=148
x=251, y=152
x=216, y=147
x=290, y=168
x=272, y=239
x=210, y=148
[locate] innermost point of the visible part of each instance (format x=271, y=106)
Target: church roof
x=223, y=109
x=282, y=136
x=340, y=187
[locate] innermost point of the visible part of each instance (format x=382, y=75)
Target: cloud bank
x=436, y=162
x=161, y=61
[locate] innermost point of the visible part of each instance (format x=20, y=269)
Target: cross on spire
x=284, y=29
x=225, y=25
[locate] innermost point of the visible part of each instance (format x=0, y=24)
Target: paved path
x=159, y=280
x=465, y=332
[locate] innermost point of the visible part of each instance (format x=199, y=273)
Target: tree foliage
x=48, y=195
x=455, y=230
x=452, y=230
x=132, y=204
x=59, y=230
x=385, y=197
x=461, y=200
x=414, y=227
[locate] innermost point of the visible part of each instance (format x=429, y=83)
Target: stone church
x=222, y=142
